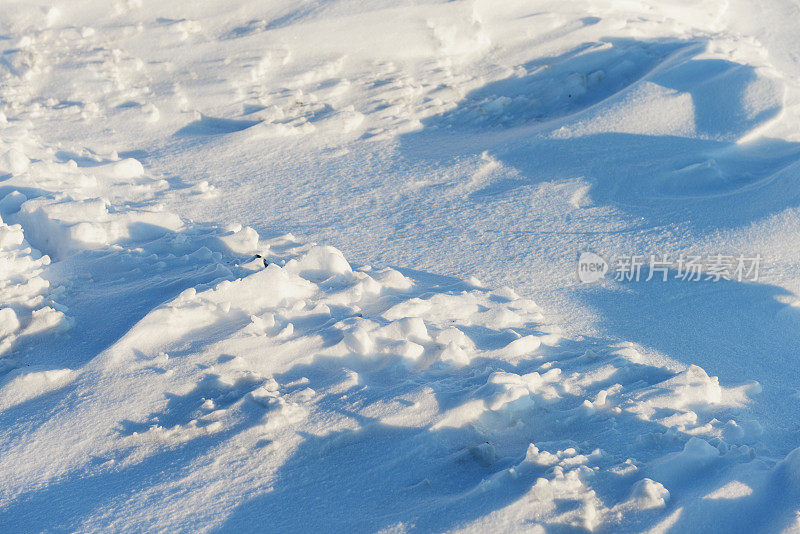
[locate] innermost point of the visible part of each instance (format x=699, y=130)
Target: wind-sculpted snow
x=296, y=381
x=306, y=383
x=302, y=268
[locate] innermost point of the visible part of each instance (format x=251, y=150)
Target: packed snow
x=312, y=266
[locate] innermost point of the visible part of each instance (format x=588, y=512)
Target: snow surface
x=310, y=266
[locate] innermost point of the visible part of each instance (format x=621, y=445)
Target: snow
x=313, y=266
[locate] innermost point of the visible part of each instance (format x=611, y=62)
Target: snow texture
x=310, y=266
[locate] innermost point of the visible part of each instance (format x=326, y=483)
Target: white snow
x=311, y=266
